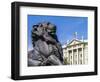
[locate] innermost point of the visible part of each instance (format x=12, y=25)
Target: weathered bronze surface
x=47, y=49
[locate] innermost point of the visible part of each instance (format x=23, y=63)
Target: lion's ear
x=35, y=26
x=48, y=23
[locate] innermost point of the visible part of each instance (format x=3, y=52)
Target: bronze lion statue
x=47, y=49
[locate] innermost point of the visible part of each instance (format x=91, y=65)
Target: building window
x=80, y=49
x=80, y=61
x=71, y=57
x=75, y=62
x=75, y=56
x=81, y=55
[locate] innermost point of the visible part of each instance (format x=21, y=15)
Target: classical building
x=75, y=52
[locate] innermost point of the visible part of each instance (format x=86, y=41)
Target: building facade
x=75, y=52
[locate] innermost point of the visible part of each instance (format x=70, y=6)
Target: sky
x=66, y=26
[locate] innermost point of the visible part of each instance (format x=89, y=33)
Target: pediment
x=73, y=42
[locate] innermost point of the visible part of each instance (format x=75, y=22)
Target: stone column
x=70, y=54
x=68, y=57
x=72, y=57
x=77, y=56
x=82, y=55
